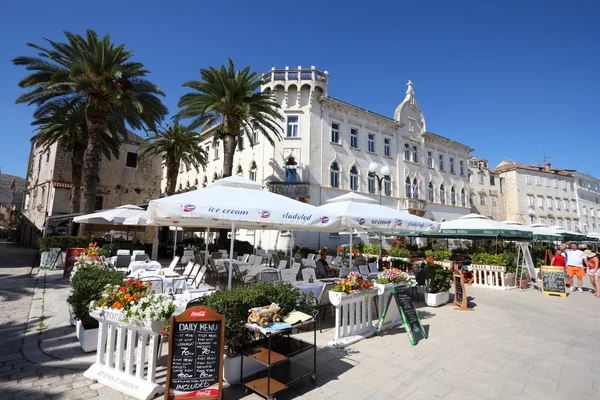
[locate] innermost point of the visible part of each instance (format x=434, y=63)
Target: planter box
x=232, y=368
x=88, y=338
x=353, y=318
x=437, y=299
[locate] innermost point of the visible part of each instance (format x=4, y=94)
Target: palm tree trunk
x=172, y=171
x=229, y=145
x=96, y=124
x=76, y=175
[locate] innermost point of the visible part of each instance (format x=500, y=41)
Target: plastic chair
x=310, y=256
x=199, y=279
x=323, y=301
x=344, y=272
x=258, y=260
x=282, y=264
x=123, y=261
x=138, y=252
x=364, y=270
x=308, y=273
x=245, y=258
x=288, y=275
x=269, y=275
x=157, y=283
x=179, y=285
x=192, y=274
x=373, y=268
x=140, y=257
x=296, y=268
x=174, y=262
x=123, y=252
x=188, y=269
x=251, y=259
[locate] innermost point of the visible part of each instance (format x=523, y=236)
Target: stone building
x=12, y=189
x=588, y=202
x=126, y=180
x=538, y=195
x=327, y=147
x=485, y=196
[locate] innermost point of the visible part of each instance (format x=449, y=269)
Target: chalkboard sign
x=410, y=317
x=458, y=289
x=53, y=256
x=196, y=345
x=553, y=281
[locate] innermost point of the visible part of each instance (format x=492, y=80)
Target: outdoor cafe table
x=315, y=287
x=166, y=275
x=135, y=266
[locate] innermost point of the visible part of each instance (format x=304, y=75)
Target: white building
x=588, y=202
x=326, y=148
x=486, y=195
x=538, y=195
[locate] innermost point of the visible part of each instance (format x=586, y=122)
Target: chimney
x=547, y=165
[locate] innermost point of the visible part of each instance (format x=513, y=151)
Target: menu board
x=458, y=290
x=53, y=256
x=410, y=318
x=71, y=258
x=553, y=281
x=196, y=347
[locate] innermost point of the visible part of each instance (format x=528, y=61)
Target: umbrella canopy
x=479, y=226
x=114, y=216
x=239, y=200
x=562, y=232
x=363, y=213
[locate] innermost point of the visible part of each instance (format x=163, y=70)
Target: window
x=558, y=204
x=549, y=203
x=441, y=162
x=574, y=204
x=371, y=143
x=530, y=201
x=387, y=185
x=451, y=165
x=353, y=178
x=463, y=198
x=371, y=182
x=564, y=184
x=216, y=149
x=253, y=170
x=386, y=147
x=415, y=154
x=494, y=201
x=334, y=175
x=528, y=179
x=555, y=182
x=292, y=126
x=335, y=133
x=547, y=182
x=566, y=204
x=207, y=149
x=430, y=159
x=471, y=201
x=568, y=225
x=560, y=223
x=538, y=181
x=442, y=194
x=406, y=151
x=492, y=180
x=462, y=167
x=415, y=189
x=543, y=221
x=240, y=143
x=99, y=203
x=48, y=156
x=481, y=179
x=584, y=211
x=354, y=138
x=540, y=201
x=408, y=187
x=255, y=137
x=453, y=196
x=430, y=193
x=592, y=213
x=131, y=160
x=482, y=199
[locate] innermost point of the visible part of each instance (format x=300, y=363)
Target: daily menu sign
x=196, y=346
x=460, y=293
x=553, y=281
x=410, y=317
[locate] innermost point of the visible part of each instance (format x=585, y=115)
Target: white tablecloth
x=254, y=270
x=315, y=287
x=135, y=266
x=166, y=275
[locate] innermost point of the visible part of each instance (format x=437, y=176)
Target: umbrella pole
x=291, y=249
x=379, y=262
x=231, y=254
x=175, y=243
x=206, y=244
x=155, y=244
x=350, y=265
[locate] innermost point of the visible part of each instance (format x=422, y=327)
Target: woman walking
x=592, y=261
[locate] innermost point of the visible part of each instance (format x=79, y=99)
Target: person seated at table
x=323, y=268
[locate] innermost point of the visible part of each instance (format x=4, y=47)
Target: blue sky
x=508, y=78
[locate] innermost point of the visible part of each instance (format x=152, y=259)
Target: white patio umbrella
x=477, y=225
x=113, y=216
x=238, y=202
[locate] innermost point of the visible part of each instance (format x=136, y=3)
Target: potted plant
x=235, y=304
x=88, y=279
x=400, y=253
x=437, y=285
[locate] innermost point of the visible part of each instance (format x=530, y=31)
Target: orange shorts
x=577, y=271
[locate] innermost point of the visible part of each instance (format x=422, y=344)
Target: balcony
x=415, y=206
x=294, y=190
x=303, y=74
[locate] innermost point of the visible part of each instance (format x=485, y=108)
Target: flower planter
x=232, y=368
x=437, y=299
x=88, y=338
x=353, y=318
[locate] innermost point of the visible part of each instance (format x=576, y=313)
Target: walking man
x=575, y=266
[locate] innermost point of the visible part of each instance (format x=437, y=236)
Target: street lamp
x=384, y=171
x=531, y=213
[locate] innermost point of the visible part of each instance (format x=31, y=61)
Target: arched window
x=408, y=188
x=215, y=177
x=371, y=181
x=334, y=175
x=453, y=196
x=406, y=151
x=253, y=170
x=415, y=189
x=463, y=198
x=387, y=185
x=430, y=193
x=239, y=171
x=353, y=178
x=442, y=194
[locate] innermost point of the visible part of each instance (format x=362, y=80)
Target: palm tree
x=176, y=143
x=100, y=75
x=232, y=99
x=64, y=123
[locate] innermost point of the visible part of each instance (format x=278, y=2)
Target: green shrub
x=438, y=255
x=62, y=242
x=371, y=249
x=399, y=252
x=438, y=278
x=243, y=247
x=235, y=303
x=489, y=259
x=86, y=285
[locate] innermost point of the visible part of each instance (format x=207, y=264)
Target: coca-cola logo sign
x=198, y=314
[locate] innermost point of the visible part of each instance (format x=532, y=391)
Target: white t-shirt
x=574, y=257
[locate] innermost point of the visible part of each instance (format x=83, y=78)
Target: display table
x=138, y=265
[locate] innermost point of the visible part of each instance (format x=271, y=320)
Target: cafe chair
x=274, y=260
x=216, y=273
x=267, y=275
x=344, y=272
x=310, y=256
x=257, y=261
x=288, y=275
x=122, y=262
x=329, y=259
x=296, y=268
x=323, y=301
x=373, y=268
x=137, y=252
x=251, y=259
x=174, y=263
x=282, y=264
x=420, y=278
x=191, y=276
x=157, y=283
x=188, y=269
x=123, y=252
x=308, y=273
x=199, y=278
x=216, y=255
x=245, y=258
x=179, y=285
x=140, y=257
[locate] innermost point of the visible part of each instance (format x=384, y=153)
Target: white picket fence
x=353, y=316
x=491, y=276
x=126, y=356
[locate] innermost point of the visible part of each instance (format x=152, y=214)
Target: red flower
x=123, y=289
x=162, y=333
x=130, y=281
x=150, y=283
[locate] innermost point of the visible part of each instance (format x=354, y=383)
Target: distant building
x=485, y=195
x=588, y=202
x=539, y=195
x=12, y=190
x=126, y=180
x=326, y=150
